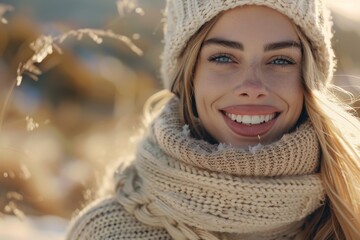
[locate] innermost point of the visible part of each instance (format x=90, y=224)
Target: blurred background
x=58, y=133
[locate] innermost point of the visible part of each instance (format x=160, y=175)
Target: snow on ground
x=31, y=228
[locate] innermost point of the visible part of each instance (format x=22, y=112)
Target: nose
x=252, y=86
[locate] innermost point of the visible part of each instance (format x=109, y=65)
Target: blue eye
x=282, y=61
x=221, y=59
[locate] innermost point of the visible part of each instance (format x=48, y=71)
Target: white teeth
x=262, y=118
x=253, y=119
x=246, y=119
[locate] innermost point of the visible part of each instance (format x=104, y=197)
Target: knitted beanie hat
x=185, y=17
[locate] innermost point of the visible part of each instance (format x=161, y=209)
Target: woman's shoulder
x=107, y=219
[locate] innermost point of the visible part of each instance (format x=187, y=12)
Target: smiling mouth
x=250, y=124
x=251, y=119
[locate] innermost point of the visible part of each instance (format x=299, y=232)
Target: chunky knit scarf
x=197, y=190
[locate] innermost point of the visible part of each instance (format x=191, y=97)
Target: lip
x=250, y=130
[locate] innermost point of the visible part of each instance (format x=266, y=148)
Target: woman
x=253, y=144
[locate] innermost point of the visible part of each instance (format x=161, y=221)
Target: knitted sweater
x=179, y=187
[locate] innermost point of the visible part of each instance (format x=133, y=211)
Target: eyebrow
x=224, y=43
x=281, y=45
x=240, y=46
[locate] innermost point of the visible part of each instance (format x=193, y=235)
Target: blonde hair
x=338, y=131
x=183, y=82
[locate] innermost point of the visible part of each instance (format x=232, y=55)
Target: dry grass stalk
x=46, y=45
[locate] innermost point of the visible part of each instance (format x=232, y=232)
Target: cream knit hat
x=185, y=17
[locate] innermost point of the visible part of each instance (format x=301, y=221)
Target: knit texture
x=106, y=219
x=288, y=156
x=174, y=191
x=182, y=188
x=185, y=17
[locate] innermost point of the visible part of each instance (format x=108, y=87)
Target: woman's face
x=247, y=80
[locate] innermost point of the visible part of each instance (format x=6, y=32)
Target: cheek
x=207, y=85
x=285, y=83
x=290, y=89
x=293, y=94
x=295, y=91
x=300, y=99
x=200, y=90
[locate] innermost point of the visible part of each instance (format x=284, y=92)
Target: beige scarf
x=197, y=190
